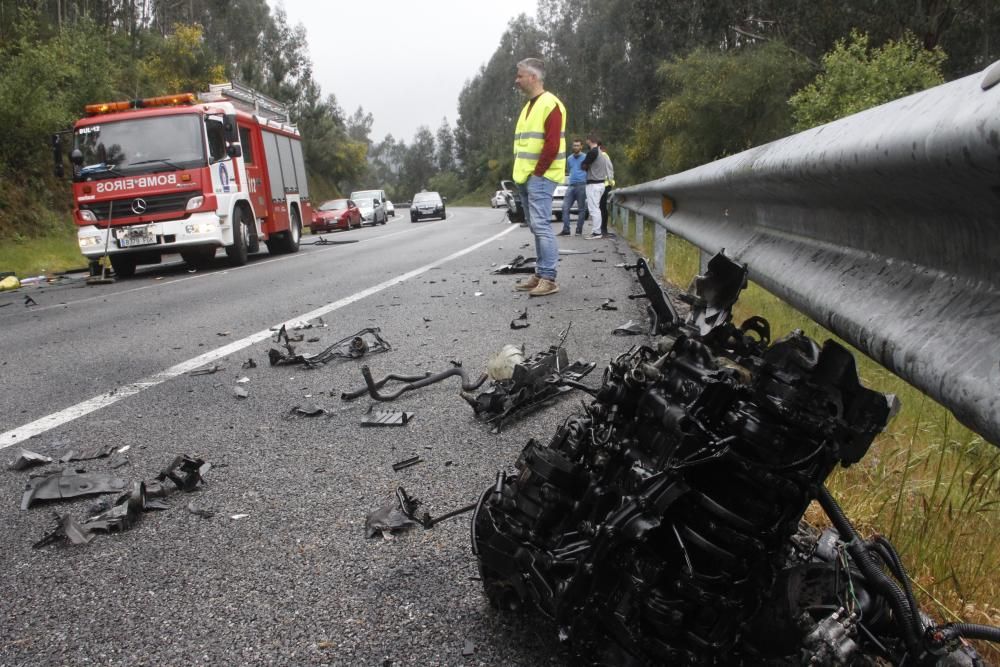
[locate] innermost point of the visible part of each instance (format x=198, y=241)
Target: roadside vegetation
x=928, y=483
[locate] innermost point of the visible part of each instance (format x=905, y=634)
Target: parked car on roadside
x=378, y=198
x=371, y=213
x=498, y=200
x=335, y=214
x=390, y=208
x=427, y=205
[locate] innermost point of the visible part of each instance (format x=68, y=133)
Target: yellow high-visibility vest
x=529, y=139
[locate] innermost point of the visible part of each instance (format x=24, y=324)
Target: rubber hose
x=866, y=563
x=900, y=571
x=972, y=631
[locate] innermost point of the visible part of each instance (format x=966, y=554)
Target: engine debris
x=519, y=264
x=355, y=346
x=372, y=386
x=521, y=321
x=531, y=383
x=407, y=463
x=662, y=525
x=63, y=484
x=386, y=418
x=27, y=459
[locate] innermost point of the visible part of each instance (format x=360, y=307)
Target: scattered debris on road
x=28, y=459
x=208, y=370
x=608, y=305
x=630, y=328
x=355, y=346
x=100, y=452
x=407, y=463
x=531, y=383
x=519, y=264
x=386, y=418
x=521, y=321
x=63, y=484
x=413, y=382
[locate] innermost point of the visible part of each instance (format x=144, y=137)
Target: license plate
x=129, y=238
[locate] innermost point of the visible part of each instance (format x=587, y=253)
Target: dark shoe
x=545, y=287
x=563, y=233
x=529, y=284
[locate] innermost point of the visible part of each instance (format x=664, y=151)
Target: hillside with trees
x=669, y=84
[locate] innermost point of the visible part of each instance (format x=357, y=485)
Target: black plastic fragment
x=249, y=363
x=87, y=455
x=306, y=410
x=186, y=472
x=519, y=264
x=27, y=459
x=386, y=418
x=468, y=648
x=64, y=484
x=608, y=305
x=521, y=321
x=207, y=370
x=66, y=529
x=630, y=328
x=407, y=463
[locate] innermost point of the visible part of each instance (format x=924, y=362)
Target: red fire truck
x=186, y=174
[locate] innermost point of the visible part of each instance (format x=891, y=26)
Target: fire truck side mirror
x=230, y=128
x=234, y=150
x=57, y=156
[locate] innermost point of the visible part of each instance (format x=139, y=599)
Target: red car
x=336, y=214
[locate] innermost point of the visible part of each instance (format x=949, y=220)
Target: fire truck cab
x=188, y=175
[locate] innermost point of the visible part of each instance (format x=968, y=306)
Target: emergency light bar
x=146, y=103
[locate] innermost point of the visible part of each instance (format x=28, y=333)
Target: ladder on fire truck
x=246, y=99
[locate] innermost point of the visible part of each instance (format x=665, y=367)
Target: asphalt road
x=295, y=580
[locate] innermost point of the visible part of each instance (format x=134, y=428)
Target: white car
x=390, y=209
x=498, y=200
x=370, y=213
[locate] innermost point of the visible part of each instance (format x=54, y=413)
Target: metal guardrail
x=884, y=227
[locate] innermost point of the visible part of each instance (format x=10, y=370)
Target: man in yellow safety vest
x=539, y=165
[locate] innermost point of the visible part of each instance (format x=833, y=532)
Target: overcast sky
x=404, y=61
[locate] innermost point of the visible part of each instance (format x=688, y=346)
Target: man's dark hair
x=593, y=137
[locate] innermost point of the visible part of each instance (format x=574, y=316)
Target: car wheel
x=413, y=218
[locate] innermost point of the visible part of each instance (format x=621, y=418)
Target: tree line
x=669, y=84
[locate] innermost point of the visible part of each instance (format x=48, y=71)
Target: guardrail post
x=625, y=221
x=640, y=229
x=660, y=249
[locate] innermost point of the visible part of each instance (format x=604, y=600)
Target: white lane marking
x=55, y=419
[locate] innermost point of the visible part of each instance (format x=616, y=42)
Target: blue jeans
x=536, y=197
x=577, y=192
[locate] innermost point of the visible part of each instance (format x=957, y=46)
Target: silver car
x=371, y=213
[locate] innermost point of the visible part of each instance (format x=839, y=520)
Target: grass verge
x=928, y=483
x=44, y=254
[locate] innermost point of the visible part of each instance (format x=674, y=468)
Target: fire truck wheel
x=288, y=241
x=123, y=265
x=237, y=253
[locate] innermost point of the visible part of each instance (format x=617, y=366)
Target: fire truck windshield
x=140, y=145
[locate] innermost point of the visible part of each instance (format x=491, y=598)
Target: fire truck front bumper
x=198, y=229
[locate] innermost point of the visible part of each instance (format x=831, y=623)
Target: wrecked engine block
x=664, y=525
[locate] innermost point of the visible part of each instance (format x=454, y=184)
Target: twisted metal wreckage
x=664, y=525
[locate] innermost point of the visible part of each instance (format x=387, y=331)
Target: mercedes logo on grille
x=138, y=205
